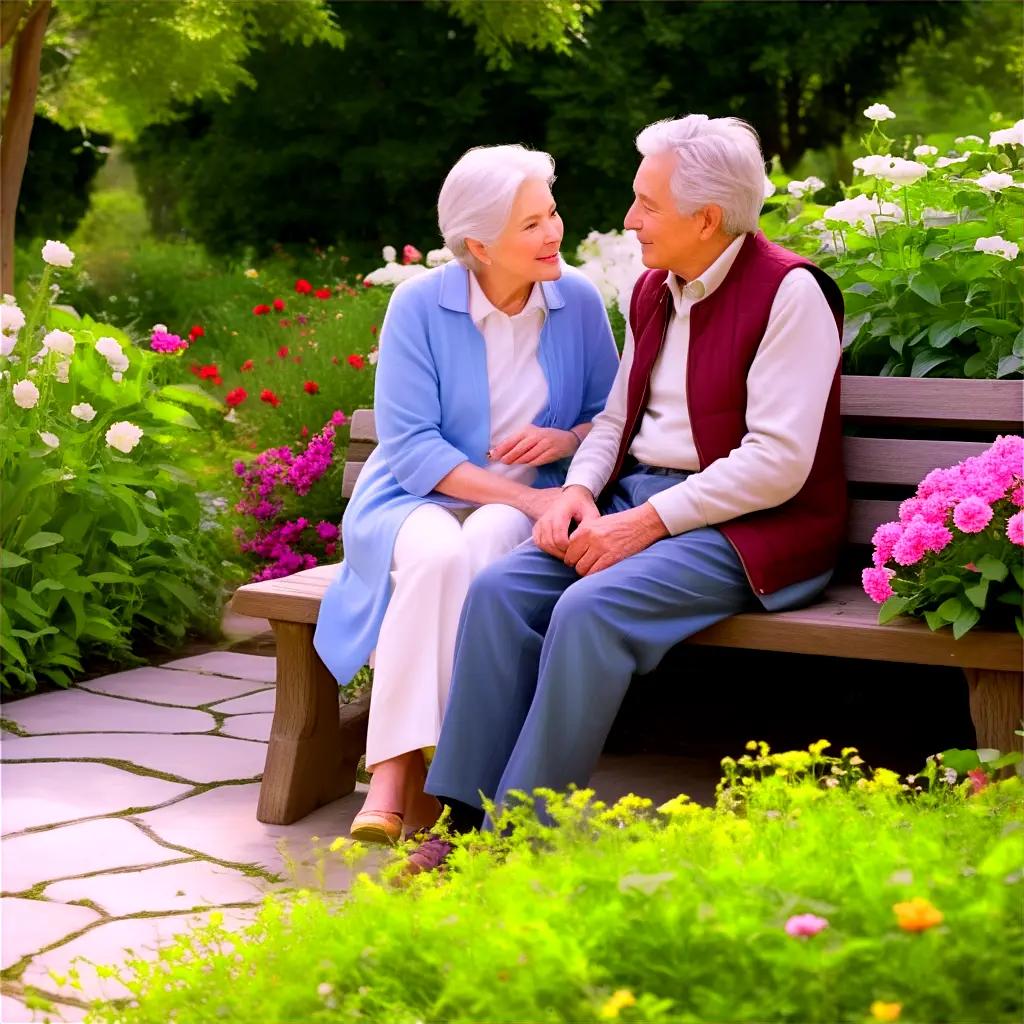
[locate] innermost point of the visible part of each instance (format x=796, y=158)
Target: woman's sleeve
x=601, y=356
x=407, y=402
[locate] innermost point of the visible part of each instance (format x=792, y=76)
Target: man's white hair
x=477, y=196
x=718, y=160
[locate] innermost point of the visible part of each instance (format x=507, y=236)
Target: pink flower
x=166, y=343
x=876, y=584
x=979, y=780
x=1017, y=496
x=884, y=539
x=338, y=418
x=972, y=515
x=919, y=537
x=1015, y=528
x=802, y=926
x=327, y=531
x=410, y=254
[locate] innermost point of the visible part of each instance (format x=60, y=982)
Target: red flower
x=373, y=329
x=335, y=360
x=279, y=304
x=284, y=323
x=367, y=284
x=304, y=432
x=209, y=372
x=356, y=362
x=236, y=397
x=296, y=359
x=303, y=287
x=194, y=368
x=323, y=293
x=196, y=332
x=247, y=365
x=282, y=352
x=311, y=387
x=410, y=254
x=979, y=779
x=261, y=309
x=268, y=396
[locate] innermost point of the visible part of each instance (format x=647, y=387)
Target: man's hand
x=551, y=531
x=535, y=446
x=600, y=543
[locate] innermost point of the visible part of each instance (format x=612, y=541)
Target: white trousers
x=437, y=555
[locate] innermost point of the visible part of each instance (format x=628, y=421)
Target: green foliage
x=105, y=546
x=631, y=914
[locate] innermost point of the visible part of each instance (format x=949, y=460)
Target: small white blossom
x=865, y=211
x=158, y=327
x=109, y=348
x=1008, y=136
x=373, y=357
x=232, y=416
x=997, y=246
x=123, y=436
x=905, y=172
x=83, y=411
x=389, y=253
x=394, y=273
x=994, y=181
x=949, y=776
x=12, y=319
x=151, y=495
x=925, y=151
x=59, y=341
x=117, y=376
x=961, y=139
x=7, y=343
x=879, y=112
x=769, y=187
x=324, y=989
x=808, y=185
x=26, y=394
x=50, y=440
x=62, y=371
x=57, y=254
x=438, y=256
x=946, y=161
x=875, y=165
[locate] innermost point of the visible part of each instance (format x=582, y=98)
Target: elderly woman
x=491, y=370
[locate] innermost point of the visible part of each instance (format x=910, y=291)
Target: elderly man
x=712, y=482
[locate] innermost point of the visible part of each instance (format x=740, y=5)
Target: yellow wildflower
x=252, y=273
x=886, y=1011
x=917, y=915
x=617, y=1002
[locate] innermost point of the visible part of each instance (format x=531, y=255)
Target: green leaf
x=935, y=620
x=171, y=414
x=961, y=761
x=130, y=540
x=922, y=283
x=992, y=568
x=950, y=610
x=965, y=621
x=1009, y=364
x=9, y=560
x=891, y=608
x=42, y=540
x=977, y=594
x=189, y=394
x=927, y=361
x=1018, y=574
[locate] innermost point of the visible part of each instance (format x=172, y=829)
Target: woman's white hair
x=477, y=196
x=718, y=160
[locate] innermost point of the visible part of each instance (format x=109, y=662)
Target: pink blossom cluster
x=268, y=482
x=965, y=499
x=166, y=343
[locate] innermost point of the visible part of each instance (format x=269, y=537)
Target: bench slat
x=879, y=460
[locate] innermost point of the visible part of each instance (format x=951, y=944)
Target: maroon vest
x=801, y=538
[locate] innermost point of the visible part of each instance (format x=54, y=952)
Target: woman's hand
x=535, y=446
x=539, y=499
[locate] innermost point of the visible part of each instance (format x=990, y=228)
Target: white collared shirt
x=787, y=389
x=517, y=385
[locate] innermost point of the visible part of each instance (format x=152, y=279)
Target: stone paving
x=129, y=814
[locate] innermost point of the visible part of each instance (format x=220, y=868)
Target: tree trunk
x=17, y=130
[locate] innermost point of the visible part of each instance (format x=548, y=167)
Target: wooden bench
x=313, y=754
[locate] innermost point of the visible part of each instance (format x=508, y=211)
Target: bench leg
x=312, y=755
x=997, y=707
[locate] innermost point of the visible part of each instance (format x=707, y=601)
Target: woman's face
x=528, y=245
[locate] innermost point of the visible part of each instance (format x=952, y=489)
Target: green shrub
x=680, y=915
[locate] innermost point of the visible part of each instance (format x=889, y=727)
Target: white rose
x=11, y=318
x=994, y=181
x=57, y=254
x=1008, y=136
x=961, y=139
x=808, y=185
x=123, y=436
x=945, y=161
x=50, y=440
x=438, y=256
x=879, y=112
x=925, y=151
x=905, y=172
x=26, y=394
x=83, y=411
x=109, y=348
x=62, y=371
x=389, y=253
x=769, y=187
x=997, y=246
x=7, y=343
x=59, y=341
x=875, y=166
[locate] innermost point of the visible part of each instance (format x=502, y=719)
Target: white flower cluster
x=864, y=210
x=997, y=246
x=891, y=168
x=110, y=349
x=57, y=254
x=613, y=262
x=12, y=319
x=1008, y=136
x=394, y=273
x=806, y=187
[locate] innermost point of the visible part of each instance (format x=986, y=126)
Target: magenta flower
x=972, y=515
x=802, y=926
x=1015, y=528
x=167, y=344
x=327, y=531
x=876, y=584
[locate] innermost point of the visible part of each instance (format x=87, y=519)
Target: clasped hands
x=598, y=542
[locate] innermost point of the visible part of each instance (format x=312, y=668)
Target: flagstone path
x=129, y=814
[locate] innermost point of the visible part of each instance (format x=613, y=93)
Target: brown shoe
x=380, y=827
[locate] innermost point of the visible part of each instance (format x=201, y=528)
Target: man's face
x=667, y=237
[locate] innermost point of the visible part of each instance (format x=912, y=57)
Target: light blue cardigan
x=432, y=409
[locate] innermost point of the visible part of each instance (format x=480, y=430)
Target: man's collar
x=701, y=287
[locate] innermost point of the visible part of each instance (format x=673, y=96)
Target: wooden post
x=311, y=760
x=997, y=707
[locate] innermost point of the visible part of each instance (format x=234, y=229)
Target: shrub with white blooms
x=26, y=394
x=123, y=436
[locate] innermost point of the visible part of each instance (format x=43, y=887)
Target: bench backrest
x=898, y=429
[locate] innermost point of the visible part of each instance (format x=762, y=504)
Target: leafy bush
x=105, y=542
x=816, y=891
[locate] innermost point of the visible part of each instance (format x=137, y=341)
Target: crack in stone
x=131, y=767
x=176, y=707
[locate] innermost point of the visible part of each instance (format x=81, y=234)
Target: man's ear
x=711, y=221
x=478, y=251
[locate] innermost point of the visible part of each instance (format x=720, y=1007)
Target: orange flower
x=917, y=915
x=886, y=1011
